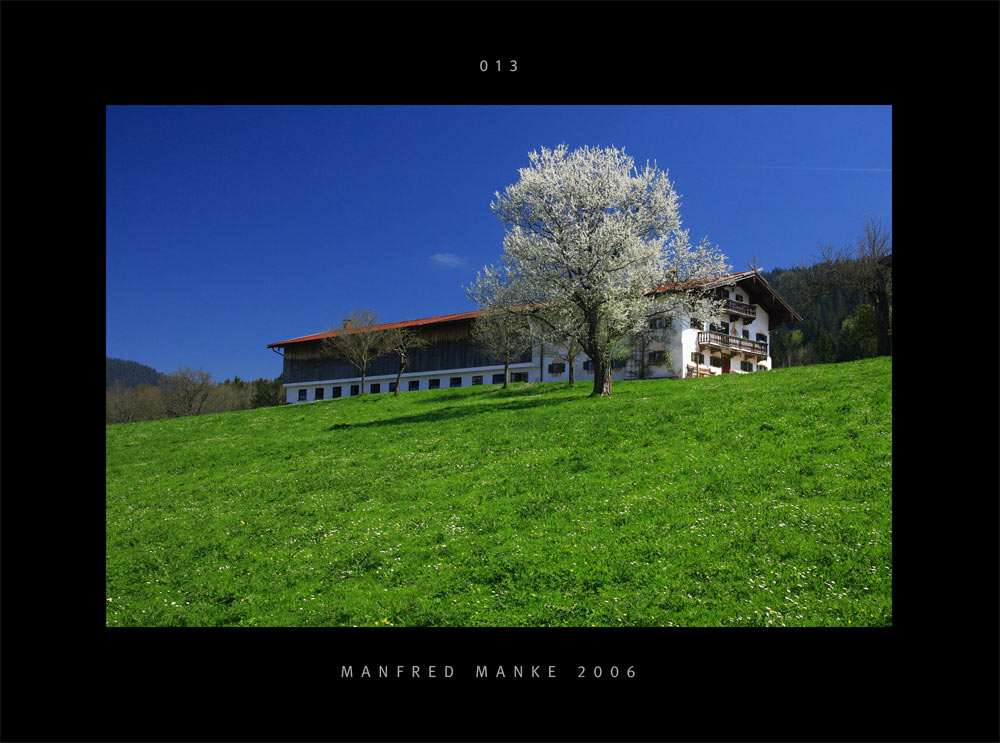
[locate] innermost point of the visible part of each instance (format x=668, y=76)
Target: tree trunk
x=602, y=378
x=506, y=373
x=362, y=383
x=572, y=378
x=399, y=377
x=606, y=381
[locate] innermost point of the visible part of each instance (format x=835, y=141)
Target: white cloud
x=448, y=259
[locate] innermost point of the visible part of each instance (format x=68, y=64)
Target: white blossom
x=588, y=238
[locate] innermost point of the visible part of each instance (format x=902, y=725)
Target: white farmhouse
x=680, y=347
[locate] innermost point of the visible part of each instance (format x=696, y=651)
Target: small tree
x=357, y=343
x=641, y=342
x=401, y=341
x=568, y=350
x=503, y=335
x=503, y=330
x=186, y=390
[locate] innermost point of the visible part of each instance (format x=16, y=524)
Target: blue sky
x=232, y=227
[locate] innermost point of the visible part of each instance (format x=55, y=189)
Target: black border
x=932, y=676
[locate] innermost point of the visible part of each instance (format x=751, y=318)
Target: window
x=335, y=392
x=746, y=366
x=477, y=380
x=715, y=360
x=557, y=368
x=455, y=382
x=619, y=363
x=739, y=298
x=588, y=365
x=302, y=394
x=498, y=379
x=375, y=388
x=392, y=386
x=519, y=376
x=355, y=389
x=722, y=327
x=746, y=333
x=318, y=395
x=696, y=323
x=656, y=357
x=414, y=384
x=762, y=337
x=659, y=322
x=698, y=358
x=433, y=384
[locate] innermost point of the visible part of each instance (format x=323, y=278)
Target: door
x=725, y=364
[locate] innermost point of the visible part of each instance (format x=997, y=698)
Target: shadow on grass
x=516, y=389
x=516, y=402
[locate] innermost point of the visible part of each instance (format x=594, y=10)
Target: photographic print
x=500, y=366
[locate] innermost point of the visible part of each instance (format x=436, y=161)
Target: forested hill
x=129, y=373
x=836, y=328
x=828, y=312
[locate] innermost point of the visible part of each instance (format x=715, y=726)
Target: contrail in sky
x=806, y=167
x=789, y=167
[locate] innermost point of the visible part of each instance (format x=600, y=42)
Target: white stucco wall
x=383, y=380
x=689, y=338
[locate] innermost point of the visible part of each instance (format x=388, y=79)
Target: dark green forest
x=838, y=327
x=129, y=373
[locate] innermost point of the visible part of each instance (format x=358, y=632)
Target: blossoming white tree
x=588, y=239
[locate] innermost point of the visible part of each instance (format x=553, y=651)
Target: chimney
x=347, y=323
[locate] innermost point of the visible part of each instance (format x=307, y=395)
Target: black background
x=932, y=676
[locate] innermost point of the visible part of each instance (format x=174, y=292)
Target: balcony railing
x=740, y=308
x=735, y=342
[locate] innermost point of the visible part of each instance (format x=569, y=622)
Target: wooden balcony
x=732, y=342
x=740, y=309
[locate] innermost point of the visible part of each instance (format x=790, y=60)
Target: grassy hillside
x=762, y=499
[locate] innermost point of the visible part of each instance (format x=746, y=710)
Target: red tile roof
x=384, y=326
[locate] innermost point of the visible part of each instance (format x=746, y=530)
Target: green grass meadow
x=741, y=500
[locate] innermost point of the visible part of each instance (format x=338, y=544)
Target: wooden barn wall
x=451, y=348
